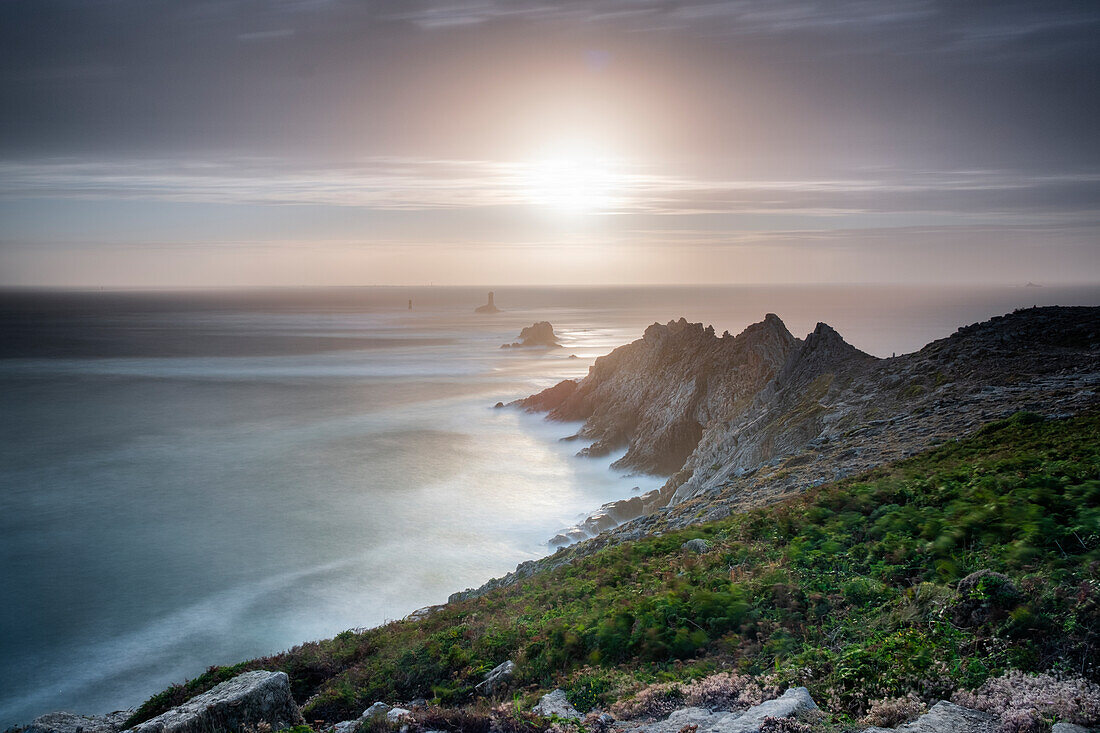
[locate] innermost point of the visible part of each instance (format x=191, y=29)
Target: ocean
x=196, y=478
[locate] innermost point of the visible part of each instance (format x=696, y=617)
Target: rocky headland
x=746, y=420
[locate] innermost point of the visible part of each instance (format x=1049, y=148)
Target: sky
x=158, y=143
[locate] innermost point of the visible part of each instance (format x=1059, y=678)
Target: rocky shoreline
x=737, y=422
x=750, y=420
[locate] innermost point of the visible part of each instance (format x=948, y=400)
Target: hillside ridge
x=774, y=415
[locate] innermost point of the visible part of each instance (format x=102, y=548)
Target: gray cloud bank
x=787, y=123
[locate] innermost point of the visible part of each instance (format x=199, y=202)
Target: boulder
x=556, y=703
x=62, y=722
x=395, y=714
x=792, y=702
x=346, y=726
x=697, y=546
x=946, y=717
x=1068, y=728
x=627, y=509
x=598, y=523
x=497, y=679
x=244, y=701
x=378, y=708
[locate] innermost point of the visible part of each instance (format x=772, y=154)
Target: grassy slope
x=850, y=590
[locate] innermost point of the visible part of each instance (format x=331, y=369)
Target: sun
x=572, y=179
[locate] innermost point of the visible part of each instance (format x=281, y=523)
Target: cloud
x=391, y=183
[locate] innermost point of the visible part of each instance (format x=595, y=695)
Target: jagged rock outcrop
x=827, y=412
x=536, y=335
x=710, y=412
x=833, y=411
x=244, y=701
x=656, y=395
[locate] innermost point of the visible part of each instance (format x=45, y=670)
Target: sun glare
x=572, y=180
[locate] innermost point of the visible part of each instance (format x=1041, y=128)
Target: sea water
x=197, y=478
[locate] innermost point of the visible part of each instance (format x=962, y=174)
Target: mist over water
x=197, y=478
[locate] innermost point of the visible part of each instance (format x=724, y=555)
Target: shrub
x=727, y=691
x=721, y=691
x=983, y=596
x=650, y=702
x=1017, y=697
x=892, y=712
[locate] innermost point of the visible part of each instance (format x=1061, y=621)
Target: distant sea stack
x=489, y=307
x=539, y=334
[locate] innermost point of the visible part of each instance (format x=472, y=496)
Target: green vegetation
x=852, y=590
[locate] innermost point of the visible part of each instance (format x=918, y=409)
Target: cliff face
x=657, y=396
x=747, y=420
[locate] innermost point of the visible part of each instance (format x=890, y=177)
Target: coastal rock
x=489, y=307
x=792, y=702
x=549, y=398
x=713, y=413
x=246, y=700
x=946, y=717
x=655, y=395
x=556, y=703
x=537, y=334
x=497, y=679
x=62, y=722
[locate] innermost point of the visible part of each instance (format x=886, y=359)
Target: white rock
x=62, y=722
x=245, y=700
x=396, y=714
x=697, y=546
x=791, y=702
x=556, y=703
x=378, y=708
x=497, y=679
